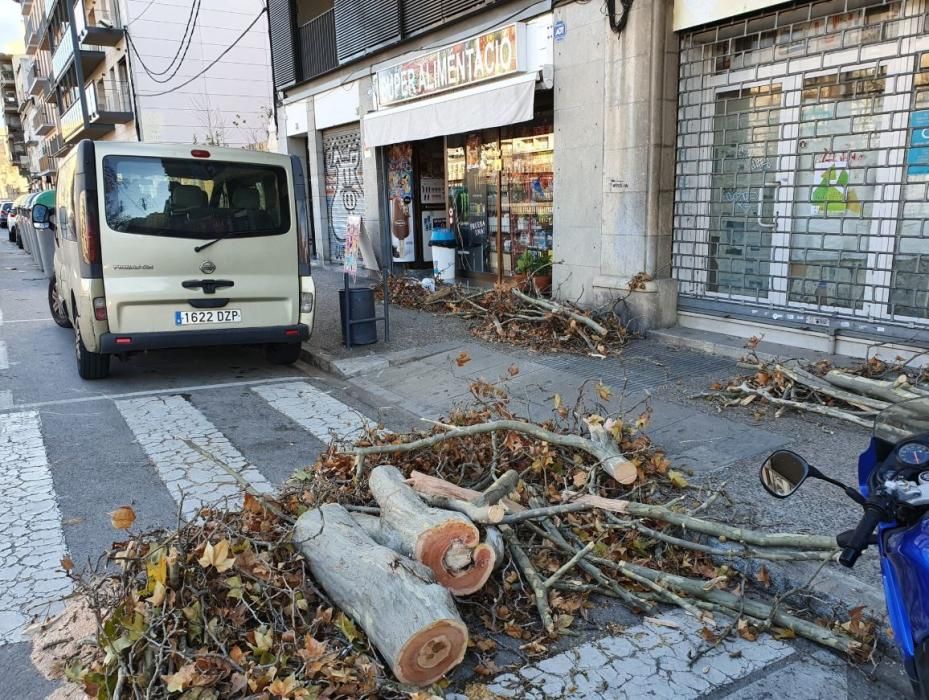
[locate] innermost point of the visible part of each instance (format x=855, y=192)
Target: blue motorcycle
x=893, y=475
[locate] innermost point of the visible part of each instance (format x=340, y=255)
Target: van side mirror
x=40, y=214
x=783, y=473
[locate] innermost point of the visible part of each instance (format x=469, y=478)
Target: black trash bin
x=362, y=307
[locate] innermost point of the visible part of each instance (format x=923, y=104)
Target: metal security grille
x=802, y=192
x=344, y=184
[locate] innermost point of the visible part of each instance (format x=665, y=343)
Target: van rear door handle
x=208, y=286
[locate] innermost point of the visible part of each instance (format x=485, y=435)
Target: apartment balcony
x=72, y=121
x=10, y=103
x=101, y=27
x=25, y=6
x=43, y=120
x=109, y=104
x=48, y=165
x=53, y=147
x=90, y=56
x=50, y=8
x=32, y=34
x=36, y=85
x=318, y=52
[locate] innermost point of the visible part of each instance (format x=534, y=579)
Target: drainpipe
x=655, y=114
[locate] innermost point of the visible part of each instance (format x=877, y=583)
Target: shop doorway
x=344, y=184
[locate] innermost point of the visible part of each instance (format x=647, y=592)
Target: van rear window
x=198, y=199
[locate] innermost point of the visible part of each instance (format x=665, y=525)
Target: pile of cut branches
x=579, y=505
x=506, y=314
x=852, y=394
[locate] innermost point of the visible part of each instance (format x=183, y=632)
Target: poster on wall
x=432, y=220
x=833, y=195
x=352, y=245
x=400, y=199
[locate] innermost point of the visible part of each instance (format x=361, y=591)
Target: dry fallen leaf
x=184, y=677
x=67, y=564
x=217, y=557
x=604, y=392
x=283, y=687
x=158, y=595
x=763, y=577
x=122, y=518
x=678, y=479
x=746, y=631
x=462, y=359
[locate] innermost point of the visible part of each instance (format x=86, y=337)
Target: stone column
x=614, y=154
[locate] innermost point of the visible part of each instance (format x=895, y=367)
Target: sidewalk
x=418, y=371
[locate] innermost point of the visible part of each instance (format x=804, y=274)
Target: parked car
x=164, y=246
x=5, y=208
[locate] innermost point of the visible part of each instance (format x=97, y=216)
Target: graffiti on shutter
x=344, y=185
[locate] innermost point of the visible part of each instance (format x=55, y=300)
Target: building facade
x=135, y=70
x=526, y=128
x=750, y=167
x=802, y=191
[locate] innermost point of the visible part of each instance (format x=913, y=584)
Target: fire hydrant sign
x=485, y=57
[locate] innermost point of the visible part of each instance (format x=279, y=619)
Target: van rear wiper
x=213, y=242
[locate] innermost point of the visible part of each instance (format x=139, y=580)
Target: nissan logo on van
x=208, y=267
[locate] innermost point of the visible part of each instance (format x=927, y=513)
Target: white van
x=171, y=246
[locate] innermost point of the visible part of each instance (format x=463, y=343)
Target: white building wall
x=232, y=102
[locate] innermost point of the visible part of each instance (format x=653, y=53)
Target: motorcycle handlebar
x=873, y=515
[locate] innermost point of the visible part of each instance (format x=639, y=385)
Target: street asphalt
x=73, y=451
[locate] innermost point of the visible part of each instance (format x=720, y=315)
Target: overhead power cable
x=186, y=40
x=212, y=63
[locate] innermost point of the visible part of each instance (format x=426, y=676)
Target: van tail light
x=199, y=153
x=307, y=302
x=89, y=228
x=100, y=308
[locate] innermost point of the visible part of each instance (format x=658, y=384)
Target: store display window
x=500, y=193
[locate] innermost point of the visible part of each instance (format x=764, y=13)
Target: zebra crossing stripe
x=316, y=411
x=32, y=581
x=162, y=425
x=4, y=358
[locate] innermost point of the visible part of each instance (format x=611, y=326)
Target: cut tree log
x=412, y=622
x=886, y=391
x=434, y=486
x=808, y=379
x=445, y=541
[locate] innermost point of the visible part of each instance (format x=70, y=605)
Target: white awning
x=500, y=103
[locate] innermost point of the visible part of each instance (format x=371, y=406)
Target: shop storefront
x=802, y=194
x=466, y=143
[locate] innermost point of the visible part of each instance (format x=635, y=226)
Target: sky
x=11, y=27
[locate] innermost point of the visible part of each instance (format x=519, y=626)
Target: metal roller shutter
x=281, y=26
x=802, y=192
x=364, y=25
x=344, y=183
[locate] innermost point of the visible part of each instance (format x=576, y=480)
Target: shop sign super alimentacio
x=491, y=55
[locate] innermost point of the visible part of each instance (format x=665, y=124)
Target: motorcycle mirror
x=783, y=473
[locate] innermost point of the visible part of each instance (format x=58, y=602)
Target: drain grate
x=643, y=366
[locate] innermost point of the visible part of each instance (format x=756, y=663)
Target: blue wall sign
x=560, y=30
x=917, y=160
